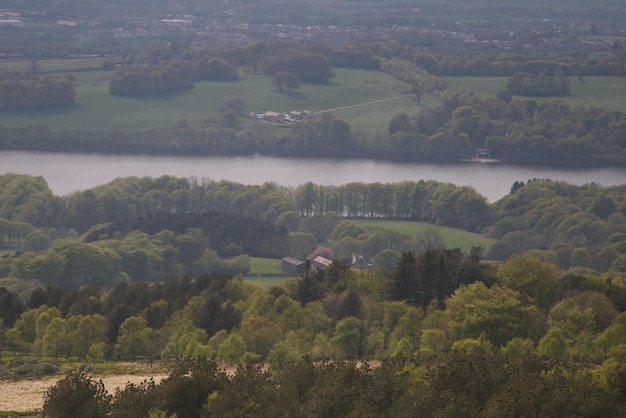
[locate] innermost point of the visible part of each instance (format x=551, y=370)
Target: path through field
x=363, y=104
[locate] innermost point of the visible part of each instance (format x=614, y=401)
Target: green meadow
x=68, y=64
x=266, y=272
x=260, y=266
x=602, y=91
x=365, y=99
x=360, y=97
x=451, y=237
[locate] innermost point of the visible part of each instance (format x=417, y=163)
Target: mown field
x=96, y=108
x=604, y=92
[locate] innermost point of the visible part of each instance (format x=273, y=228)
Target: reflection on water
x=66, y=173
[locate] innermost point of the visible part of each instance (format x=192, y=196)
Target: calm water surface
x=67, y=173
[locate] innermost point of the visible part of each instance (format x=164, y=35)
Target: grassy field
x=96, y=108
x=605, y=92
x=53, y=65
x=452, y=237
x=269, y=282
x=266, y=272
x=260, y=266
x=365, y=99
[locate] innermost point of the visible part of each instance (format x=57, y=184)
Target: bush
x=31, y=367
x=77, y=395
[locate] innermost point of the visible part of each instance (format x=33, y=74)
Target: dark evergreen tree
x=405, y=286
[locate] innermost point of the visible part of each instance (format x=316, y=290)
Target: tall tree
x=405, y=286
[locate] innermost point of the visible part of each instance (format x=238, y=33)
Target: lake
x=67, y=173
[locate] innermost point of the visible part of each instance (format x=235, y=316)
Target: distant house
x=270, y=116
x=299, y=115
x=321, y=263
x=360, y=262
x=482, y=152
x=292, y=266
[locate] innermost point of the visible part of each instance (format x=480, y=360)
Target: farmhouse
x=270, y=116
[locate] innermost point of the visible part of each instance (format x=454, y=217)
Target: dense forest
x=132, y=270
x=521, y=326
x=455, y=384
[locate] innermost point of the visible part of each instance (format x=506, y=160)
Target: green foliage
x=147, y=80
x=188, y=386
x=217, y=69
x=135, y=400
x=284, y=80
x=497, y=311
x=434, y=275
x=535, y=280
x=527, y=84
x=305, y=66
x=134, y=338
x=18, y=92
x=417, y=76
x=77, y=395
x=474, y=382
x=10, y=307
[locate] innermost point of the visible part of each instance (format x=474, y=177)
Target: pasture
x=602, y=91
x=451, y=237
x=266, y=272
x=359, y=97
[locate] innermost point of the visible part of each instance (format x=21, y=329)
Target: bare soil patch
x=28, y=395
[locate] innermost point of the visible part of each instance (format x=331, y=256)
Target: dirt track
x=27, y=395
x=363, y=104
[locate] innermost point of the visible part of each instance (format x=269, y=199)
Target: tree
x=284, y=80
x=219, y=70
x=134, y=338
x=232, y=349
x=58, y=340
x=10, y=307
x=497, y=312
x=34, y=67
x=90, y=330
x=533, y=278
x=553, y=344
x=405, y=286
x=260, y=334
x=189, y=385
x=77, y=396
x=505, y=96
x=290, y=220
x=137, y=401
x=399, y=123
x=237, y=105
x=186, y=341
x=349, y=337
x=386, y=259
